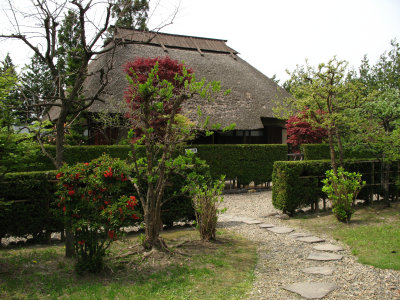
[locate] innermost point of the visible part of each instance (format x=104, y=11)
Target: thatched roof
x=252, y=93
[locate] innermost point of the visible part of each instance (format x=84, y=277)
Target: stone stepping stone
x=266, y=225
x=280, y=229
x=310, y=239
x=319, y=270
x=251, y=222
x=311, y=290
x=324, y=256
x=328, y=247
x=298, y=235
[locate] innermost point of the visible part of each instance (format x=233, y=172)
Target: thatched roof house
x=249, y=104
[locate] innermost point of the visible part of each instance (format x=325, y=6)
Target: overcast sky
x=276, y=35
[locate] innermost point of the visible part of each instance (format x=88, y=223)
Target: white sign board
x=193, y=150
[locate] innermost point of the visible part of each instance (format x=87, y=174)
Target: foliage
x=342, y=190
x=330, y=88
x=91, y=198
x=205, y=194
x=300, y=131
x=8, y=84
x=315, y=151
x=244, y=163
x=36, y=88
x=32, y=208
x=17, y=151
x=296, y=184
x=378, y=128
x=131, y=14
x=321, y=151
x=157, y=90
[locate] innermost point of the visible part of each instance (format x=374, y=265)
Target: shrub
x=94, y=206
x=298, y=183
x=32, y=208
x=246, y=163
x=342, y=190
x=205, y=193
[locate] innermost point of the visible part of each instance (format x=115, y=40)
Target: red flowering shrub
x=90, y=196
x=300, y=131
x=168, y=79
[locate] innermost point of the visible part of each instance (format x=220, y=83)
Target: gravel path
x=281, y=258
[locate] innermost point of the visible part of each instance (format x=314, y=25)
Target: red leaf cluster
x=300, y=131
x=139, y=71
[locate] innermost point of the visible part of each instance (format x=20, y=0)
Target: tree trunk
x=339, y=142
x=153, y=227
x=332, y=151
x=386, y=179
x=69, y=237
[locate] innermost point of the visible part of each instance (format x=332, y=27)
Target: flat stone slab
x=252, y=222
x=324, y=256
x=310, y=239
x=311, y=290
x=298, y=235
x=280, y=229
x=319, y=270
x=263, y=225
x=328, y=247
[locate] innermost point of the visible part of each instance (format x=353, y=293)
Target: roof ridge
x=172, y=34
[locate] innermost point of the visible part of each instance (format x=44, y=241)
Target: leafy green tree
x=379, y=118
x=328, y=88
x=8, y=94
x=131, y=14
x=157, y=90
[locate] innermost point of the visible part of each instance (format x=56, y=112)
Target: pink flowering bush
x=92, y=202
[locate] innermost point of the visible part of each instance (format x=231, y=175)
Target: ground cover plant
x=373, y=234
x=193, y=273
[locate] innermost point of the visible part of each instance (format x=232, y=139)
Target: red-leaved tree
x=158, y=87
x=301, y=131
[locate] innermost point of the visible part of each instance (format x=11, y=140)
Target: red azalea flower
x=64, y=208
x=86, y=164
x=59, y=175
x=120, y=210
x=106, y=202
x=81, y=242
x=71, y=192
x=135, y=217
x=77, y=175
x=90, y=192
x=112, y=234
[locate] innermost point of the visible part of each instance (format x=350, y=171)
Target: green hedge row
x=32, y=209
x=246, y=163
x=321, y=151
x=298, y=183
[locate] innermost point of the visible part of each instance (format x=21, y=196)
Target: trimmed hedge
x=315, y=151
x=246, y=163
x=75, y=154
x=33, y=210
x=321, y=151
x=298, y=183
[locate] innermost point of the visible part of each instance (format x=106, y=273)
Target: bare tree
x=39, y=27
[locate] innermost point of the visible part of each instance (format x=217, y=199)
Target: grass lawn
x=373, y=233
x=219, y=270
